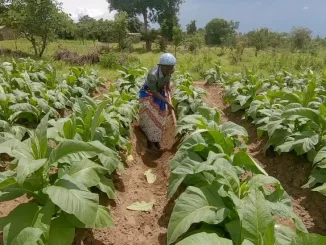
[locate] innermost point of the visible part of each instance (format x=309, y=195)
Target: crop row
x=290, y=109
x=226, y=197
x=63, y=164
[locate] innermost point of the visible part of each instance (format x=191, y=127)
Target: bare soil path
x=133, y=227
x=291, y=170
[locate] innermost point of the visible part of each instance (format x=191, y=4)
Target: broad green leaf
x=80, y=203
x=321, y=155
x=193, y=206
x=231, y=129
x=307, y=113
x=86, y=172
x=74, y=150
x=242, y=159
x=308, y=239
x=204, y=238
x=283, y=234
x=255, y=217
x=69, y=127
x=43, y=219
x=103, y=218
x=321, y=189
x=62, y=232
x=28, y=236
x=26, y=167
x=17, y=220
x=98, y=112
x=141, y=206
x=107, y=186
x=174, y=183
x=41, y=135
x=234, y=228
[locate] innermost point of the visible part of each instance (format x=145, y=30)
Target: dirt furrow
x=291, y=170
x=133, y=227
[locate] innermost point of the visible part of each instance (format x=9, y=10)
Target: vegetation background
x=44, y=31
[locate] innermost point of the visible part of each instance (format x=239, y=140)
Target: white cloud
x=94, y=8
x=305, y=8
x=80, y=12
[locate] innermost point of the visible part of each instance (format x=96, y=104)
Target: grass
x=196, y=63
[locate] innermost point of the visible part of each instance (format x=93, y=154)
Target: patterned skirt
x=152, y=115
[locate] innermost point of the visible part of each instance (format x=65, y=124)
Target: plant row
x=30, y=89
x=291, y=110
x=62, y=167
x=226, y=197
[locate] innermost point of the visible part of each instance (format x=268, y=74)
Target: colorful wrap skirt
x=152, y=113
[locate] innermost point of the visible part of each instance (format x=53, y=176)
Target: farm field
x=196, y=63
x=74, y=161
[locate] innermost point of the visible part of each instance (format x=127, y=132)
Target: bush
x=114, y=60
x=109, y=61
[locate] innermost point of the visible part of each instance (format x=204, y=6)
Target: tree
x=151, y=10
x=275, y=40
x=195, y=42
x=86, y=28
x=39, y=21
x=135, y=25
x=121, y=28
x=192, y=27
x=259, y=39
x=167, y=17
x=300, y=38
x=146, y=8
x=218, y=30
x=178, y=38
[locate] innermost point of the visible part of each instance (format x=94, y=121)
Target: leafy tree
x=121, y=28
x=135, y=25
x=275, y=40
x=192, y=27
x=195, y=42
x=218, y=30
x=105, y=31
x=259, y=39
x=151, y=10
x=86, y=28
x=37, y=20
x=167, y=17
x=68, y=31
x=178, y=37
x=146, y=8
x=300, y=38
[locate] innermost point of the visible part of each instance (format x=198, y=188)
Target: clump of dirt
x=132, y=227
x=292, y=171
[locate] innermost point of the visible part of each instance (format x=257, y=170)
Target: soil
x=133, y=227
x=291, y=170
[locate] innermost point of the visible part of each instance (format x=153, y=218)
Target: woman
x=153, y=101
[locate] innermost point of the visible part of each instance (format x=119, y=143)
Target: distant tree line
x=42, y=21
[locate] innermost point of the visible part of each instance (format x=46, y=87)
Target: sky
x=278, y=15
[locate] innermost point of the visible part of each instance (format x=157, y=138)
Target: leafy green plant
x=228, y=197
x=58, y=182
x=215, y=75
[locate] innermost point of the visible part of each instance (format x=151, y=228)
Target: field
x=196, y=63
x=243, y=165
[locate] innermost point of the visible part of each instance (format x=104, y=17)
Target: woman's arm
x=160, y=97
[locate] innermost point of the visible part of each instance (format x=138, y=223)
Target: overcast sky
x=280, y=15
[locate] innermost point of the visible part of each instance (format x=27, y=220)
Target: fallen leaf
x=150, y=176
x=130, y=158
x=141, y=206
